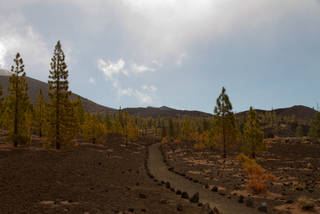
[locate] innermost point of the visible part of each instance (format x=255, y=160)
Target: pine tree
x=126, y=126
x=253, y=137
x=164, y=131
x=186, y=131
x=92, y=129
x=225, y=131
x=107, y=121
x=40, y=113
x=63, y=124
x=299, y=131
x=314, y=131
x=171, y=128
x=17, y=112
x=79, y=111
x=133, y=131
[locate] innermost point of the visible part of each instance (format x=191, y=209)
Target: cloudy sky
x=178, y=53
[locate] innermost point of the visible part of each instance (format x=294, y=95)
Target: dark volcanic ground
x=287, y=159
x=90, y=178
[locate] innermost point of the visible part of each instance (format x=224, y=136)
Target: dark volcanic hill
x=300, y=112
x=164, y=112
x=35, y=85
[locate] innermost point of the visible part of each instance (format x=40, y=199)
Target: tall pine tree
x=253, y=137
x=63, y=124
x=225, y=130
x=17, y=112
x=40, y=113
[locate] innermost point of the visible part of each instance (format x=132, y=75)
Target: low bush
x=305, y=203
x=297, y=186
x=257, y=176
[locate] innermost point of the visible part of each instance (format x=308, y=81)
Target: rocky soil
x=286, y=158
x=103, y=178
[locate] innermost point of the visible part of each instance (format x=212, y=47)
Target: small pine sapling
x=258, y=178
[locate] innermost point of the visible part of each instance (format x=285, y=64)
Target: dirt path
x=159, y=169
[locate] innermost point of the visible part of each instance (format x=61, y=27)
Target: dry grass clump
x=310, y=166
x=305, y=203
x=297, y=186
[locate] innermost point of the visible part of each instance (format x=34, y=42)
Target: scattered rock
x=229, y=197
x=207, y=186
x=249, y=202
x=289, y=202
x=179, y=192
x=180, y=207
x=143, y=210
x=216, y=211
x=263, y=207
x=172, y=189
x=206, y=207
x=214, y=189
x=195, y=198
x=142, y=195
x=131, y=210
x=185, y=195
x=163, y=201
x=240, y=199
x=168, y=185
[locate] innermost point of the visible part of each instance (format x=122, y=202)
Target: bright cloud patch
x=140, y=68
x=111, y=68
x=17, y=36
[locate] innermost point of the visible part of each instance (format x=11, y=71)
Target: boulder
x=249, y=202
x=185, y=195
x=163, y=201
x=206, y=207
x=240, y=199
x=195, y=198
x=263, y=207
x=214, y=189
x=168, y=185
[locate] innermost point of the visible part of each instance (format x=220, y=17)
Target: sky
x=175, y=53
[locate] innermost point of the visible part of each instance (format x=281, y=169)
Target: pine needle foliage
x=299, y=131
x=314, y=131
x=17, y=113
x=253, y=138
x=63, y=124
x=92, y=129
x=225, y=129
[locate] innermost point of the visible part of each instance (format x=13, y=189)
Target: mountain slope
x=35, y=85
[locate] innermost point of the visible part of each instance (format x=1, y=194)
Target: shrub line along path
x=160, y=171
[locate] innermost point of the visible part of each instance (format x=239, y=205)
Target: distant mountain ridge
x=299, y=111
x=164, y=111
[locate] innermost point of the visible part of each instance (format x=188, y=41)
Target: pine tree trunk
x=15, y=142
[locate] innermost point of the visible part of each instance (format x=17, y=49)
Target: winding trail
x=160, y=171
